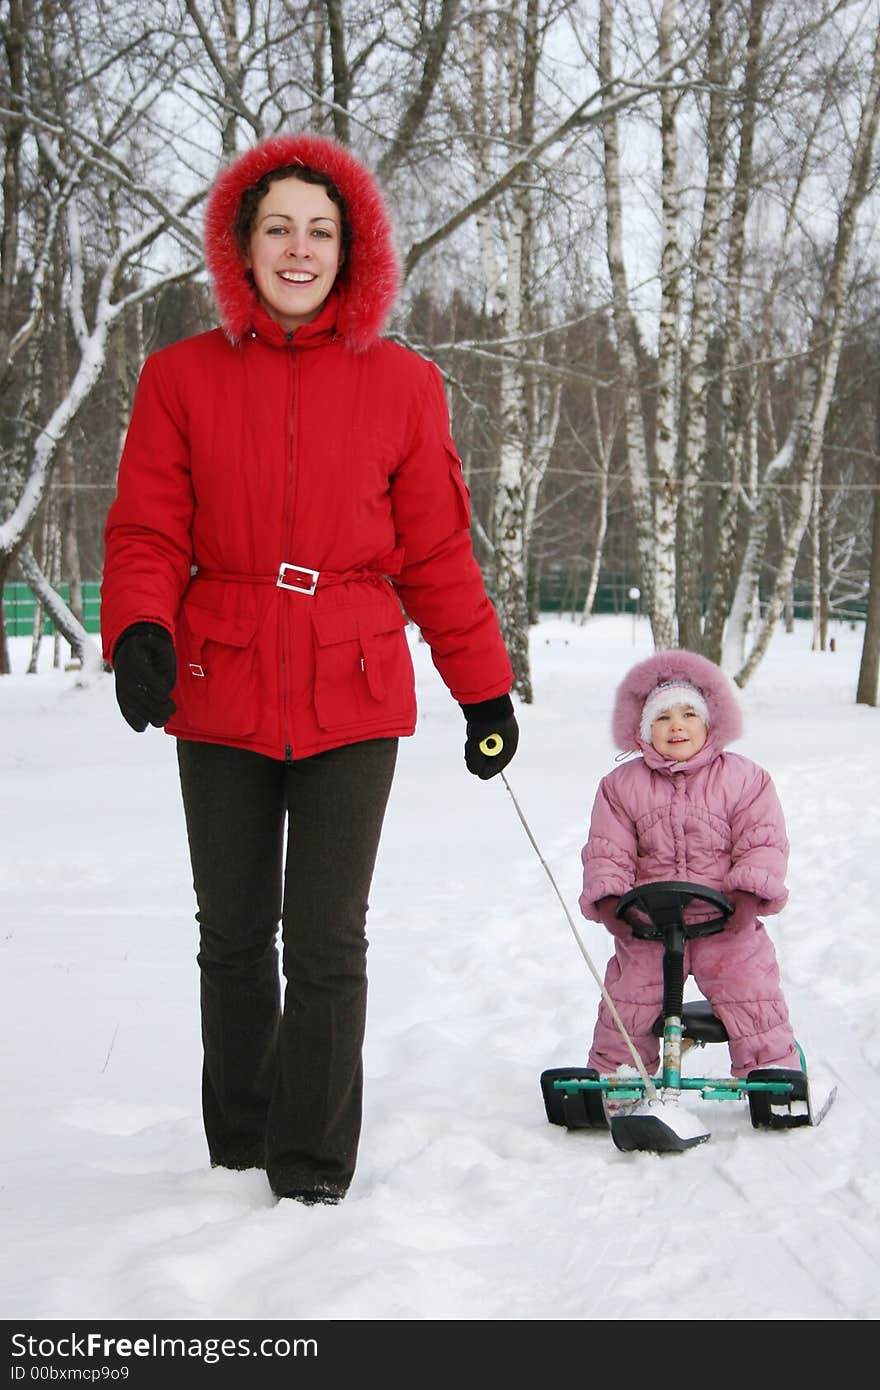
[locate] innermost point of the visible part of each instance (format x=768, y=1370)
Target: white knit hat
x=664, y=696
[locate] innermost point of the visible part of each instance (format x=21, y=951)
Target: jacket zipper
x=288, y=507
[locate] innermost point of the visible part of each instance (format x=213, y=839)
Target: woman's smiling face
x=295, y=250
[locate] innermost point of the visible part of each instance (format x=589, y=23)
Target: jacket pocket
x=363, y=668
x=462, y=494
x=216, y=690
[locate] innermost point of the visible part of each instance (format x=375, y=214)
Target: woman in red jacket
x=288, y=491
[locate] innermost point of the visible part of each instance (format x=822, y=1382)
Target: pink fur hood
x=368, y=281
x=725, y=719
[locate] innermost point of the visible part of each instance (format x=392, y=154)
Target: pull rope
x=650, y=1088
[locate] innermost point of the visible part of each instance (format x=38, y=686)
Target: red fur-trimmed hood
x=368, y=280
x=725, y=719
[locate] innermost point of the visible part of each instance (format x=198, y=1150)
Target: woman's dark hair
x=250, y=200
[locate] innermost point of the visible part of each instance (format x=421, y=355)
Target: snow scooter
x=645, y=1114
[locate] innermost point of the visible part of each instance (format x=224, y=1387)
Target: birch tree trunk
x=512, y=505
x=665, y=494
x=824, y=570
x=868, y=689
x=659, y=601
x=70, y=568
x=695, y=385
x=13, y=199
x=816, y=643
x=544, y=400
x=317, y=42
x=39, y=621
x=84, y=648
x=869, y=667
x=68, y=534
x=738, y=402
x=603, y=445
x=342, y=82
x=509, y=520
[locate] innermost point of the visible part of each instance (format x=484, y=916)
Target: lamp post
x=635, y=594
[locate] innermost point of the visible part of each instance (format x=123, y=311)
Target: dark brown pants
x=282, y=1084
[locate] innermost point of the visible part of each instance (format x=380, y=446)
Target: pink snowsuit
x=715, y=820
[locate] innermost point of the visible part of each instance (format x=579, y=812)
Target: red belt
x=299, y=579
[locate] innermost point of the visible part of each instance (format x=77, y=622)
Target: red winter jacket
x=323, y=460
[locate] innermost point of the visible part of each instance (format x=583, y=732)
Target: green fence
x=559, y=592
x=19, y=606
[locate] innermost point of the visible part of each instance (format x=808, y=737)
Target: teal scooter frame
x=582, y=1099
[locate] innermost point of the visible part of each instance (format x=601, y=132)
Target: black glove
x=492, y=736
x=146, y=670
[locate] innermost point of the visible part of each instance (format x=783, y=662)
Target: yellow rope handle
x=492, y=745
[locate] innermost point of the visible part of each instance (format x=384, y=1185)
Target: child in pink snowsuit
x=688, y=810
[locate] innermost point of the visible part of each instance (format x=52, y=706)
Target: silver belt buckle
x=306, y=585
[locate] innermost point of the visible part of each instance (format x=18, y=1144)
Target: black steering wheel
x=663, y=905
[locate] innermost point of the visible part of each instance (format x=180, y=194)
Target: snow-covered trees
x=84, y=212
x=753, y=100
x=633, y=236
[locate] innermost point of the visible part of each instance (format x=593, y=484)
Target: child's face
x=678, y=733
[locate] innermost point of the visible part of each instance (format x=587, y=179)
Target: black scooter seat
x=697, y=1022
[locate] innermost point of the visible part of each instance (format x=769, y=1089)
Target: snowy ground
x=466, y=1204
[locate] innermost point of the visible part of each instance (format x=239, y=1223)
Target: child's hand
x=606, y=911
x=746, y=907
